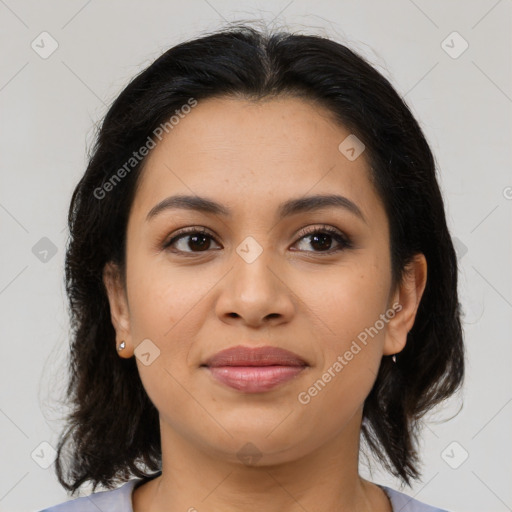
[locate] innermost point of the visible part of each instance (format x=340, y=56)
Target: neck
x=194, y=479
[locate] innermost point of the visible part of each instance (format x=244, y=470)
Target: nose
x=255, y=294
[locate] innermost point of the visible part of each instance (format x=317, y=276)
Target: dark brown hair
x=112, y=431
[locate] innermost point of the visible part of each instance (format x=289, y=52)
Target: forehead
x=255, y=150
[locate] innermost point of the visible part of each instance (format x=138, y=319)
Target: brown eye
x=321, y=241
x=325, y=239
x=191, y=241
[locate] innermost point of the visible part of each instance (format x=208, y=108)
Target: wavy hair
x=112, y=431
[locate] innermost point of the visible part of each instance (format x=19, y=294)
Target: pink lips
x=254, y=370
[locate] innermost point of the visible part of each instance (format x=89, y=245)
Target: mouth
x=254, y=370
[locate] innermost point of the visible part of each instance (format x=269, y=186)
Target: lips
x=262, y=356
x=254, y=370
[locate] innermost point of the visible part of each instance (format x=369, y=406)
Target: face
x=282, y=243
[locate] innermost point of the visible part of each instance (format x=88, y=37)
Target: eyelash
x=337, y=236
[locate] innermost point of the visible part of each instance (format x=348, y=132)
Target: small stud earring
x=393, y=358
x=121, y=346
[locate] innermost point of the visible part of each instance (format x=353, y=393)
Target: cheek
x=166, y=307
x=160, y=297
x=347, y=302
x=351, y=347
x=170, y=307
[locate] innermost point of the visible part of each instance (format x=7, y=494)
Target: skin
x=251, y=157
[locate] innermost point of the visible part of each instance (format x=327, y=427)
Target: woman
x=247, y=275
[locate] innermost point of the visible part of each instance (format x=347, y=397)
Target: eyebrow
x=286, y=209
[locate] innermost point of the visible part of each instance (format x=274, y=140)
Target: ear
x=119, y=311
x=408, y=295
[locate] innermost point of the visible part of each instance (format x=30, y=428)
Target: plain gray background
x=463, y=100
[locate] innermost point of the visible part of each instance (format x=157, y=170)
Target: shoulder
x=402, y=502
x=116, y=500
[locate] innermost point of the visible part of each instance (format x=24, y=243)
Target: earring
x=121, y=346
x=393, y=358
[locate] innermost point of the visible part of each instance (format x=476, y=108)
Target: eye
x=322, y=239
x=191, y=240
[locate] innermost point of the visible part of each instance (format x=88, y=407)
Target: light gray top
x=120, y=500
